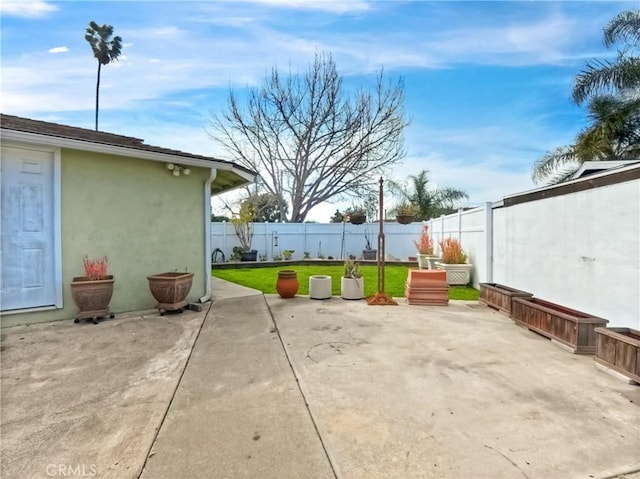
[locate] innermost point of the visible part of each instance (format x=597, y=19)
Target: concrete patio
x=262, y=387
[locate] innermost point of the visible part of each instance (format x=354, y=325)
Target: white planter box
x=427, y=261
x=457, y=274
x=352, y=288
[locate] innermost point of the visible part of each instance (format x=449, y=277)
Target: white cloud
x=545, y=40
x=333, y=6
x=26, y=8
x=58, y=50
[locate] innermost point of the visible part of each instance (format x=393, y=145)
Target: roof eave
x=60, y=142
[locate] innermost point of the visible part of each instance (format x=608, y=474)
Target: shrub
x=452, y=252
x=95, y=269
x=425, y=245
x=351, y=269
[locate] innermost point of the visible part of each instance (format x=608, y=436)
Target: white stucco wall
x=470, y=228
x=581, y=250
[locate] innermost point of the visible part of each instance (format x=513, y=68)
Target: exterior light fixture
x=177, y=169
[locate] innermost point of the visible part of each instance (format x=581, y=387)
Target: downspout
x=207, y=234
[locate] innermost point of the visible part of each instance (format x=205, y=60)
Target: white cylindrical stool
x=319, y=287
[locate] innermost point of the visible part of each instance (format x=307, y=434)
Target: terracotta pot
x=92, y=297
x=170, y=290
x=287, y=284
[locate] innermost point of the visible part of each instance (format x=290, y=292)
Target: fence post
x=488, y=238
x=460, y=225
x=224, y=237
x=304, y=239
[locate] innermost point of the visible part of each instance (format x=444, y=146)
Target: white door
x=28, y=260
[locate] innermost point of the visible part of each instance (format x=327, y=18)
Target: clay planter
x=92, y=297
x=619, y=349
x=499, y=296
x=170, y=290
x=571, y=328
x=287, y=283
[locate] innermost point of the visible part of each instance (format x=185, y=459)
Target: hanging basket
x=357, y=219
x=405, y=219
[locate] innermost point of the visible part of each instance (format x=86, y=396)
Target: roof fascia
x=40, y=139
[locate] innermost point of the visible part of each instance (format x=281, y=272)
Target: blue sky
x=487, y=84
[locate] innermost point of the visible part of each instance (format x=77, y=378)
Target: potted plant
x=286, y=254
x=170, y=290
x=352, y=282
x=425, y=254
x=368, y=252
x=356, y=215
x=243, y=226
x=406, y=213
x=92, y=292
x=454, y=262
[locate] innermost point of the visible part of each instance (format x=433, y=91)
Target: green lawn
x=264, y=279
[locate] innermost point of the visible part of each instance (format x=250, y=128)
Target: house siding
x=135, y=212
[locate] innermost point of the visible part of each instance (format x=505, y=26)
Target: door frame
x=57, y=224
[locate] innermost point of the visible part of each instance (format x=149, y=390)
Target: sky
x=487, y=84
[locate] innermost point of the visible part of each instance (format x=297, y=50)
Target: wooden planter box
x=499, y=296
x=619, y=349
x=571, y=328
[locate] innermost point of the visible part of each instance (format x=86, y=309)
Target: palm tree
x=105, y=50
x=614, y=134
x=600, y=76
x=431, y=202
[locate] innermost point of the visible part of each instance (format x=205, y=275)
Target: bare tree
x=309, y=139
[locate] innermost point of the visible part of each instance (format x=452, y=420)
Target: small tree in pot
x=243, y=225
x=368, y=252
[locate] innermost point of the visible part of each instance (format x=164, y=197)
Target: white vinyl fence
x=576, y=244
x=338, y=240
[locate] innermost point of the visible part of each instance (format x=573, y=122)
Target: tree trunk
x=97, y=94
